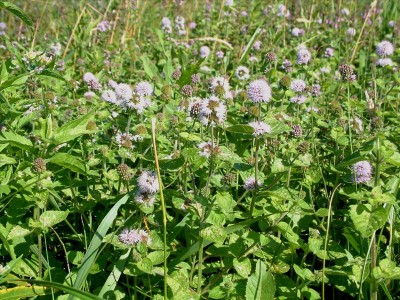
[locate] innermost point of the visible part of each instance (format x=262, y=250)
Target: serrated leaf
x=240, y=128
x=260, y=285
x=68, y=161
x=242, y=266
x=73, y=129
x=5, y=160
x=17, y=12
x=214, y=233
x=18, y=232
x=15, y=140
x=52, y=217
x=145, y=265
x=367, y=220
x=149, y=67
x=156, y=257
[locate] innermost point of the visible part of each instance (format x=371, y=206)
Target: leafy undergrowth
x=199, y=150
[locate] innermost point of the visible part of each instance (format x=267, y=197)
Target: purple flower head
x=362, y=172
x=192, y=25
x=251, y=184
x=103, y=26
x=244, y=13
x=257, y=45
x=109, y=96
x=242, y=73
x=298, y=85
x=329, y=52
x=144, y=88
x=297, y=31
x=124, y=92
x=260, y=128
x=303, y=56
x=299, y=99
x=259, y=91
x=212, y=111
x=92, y=81
x=148, y=182
x=220, y=54
x=383, y=62
x=384, y=48
x=351, y=32
x=204, y=51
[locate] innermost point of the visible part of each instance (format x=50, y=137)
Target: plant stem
x=164, y=211
x=254, y=194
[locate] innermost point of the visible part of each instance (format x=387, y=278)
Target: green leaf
x=94, y=247
x=17, y=12
x=52, y=74
x=244, y=129
x=242, y=266
x=13, y=81
x=214, y=234
x=52, y=217
x=47, y=128
x=260, y=285
x=15, y=140
x=146, y=266
x=68, y=161
x=366, y=220
x=5, y=160
x=149, y=67
x=18, y=232
x=73, y=129
x=387, y=270
x=156, y=257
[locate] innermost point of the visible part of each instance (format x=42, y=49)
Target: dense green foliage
x=244, y=151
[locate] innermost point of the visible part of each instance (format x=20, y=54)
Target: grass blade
x=90, y=256
x=113, y=278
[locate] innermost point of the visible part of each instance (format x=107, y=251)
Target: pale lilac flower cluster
x=250, y=184
x=123, y=95
x=3, y=28
x=229, y=3
x=55, y=48
x=180, y=25
x=166, y=25
x=297, y=32
x=148, y=187
x=220, y=54
x=206, y=149
x=204, y=51
x=242, y=73
x=351, y=32
x=287, y=66
x=303, y=56
x=125, y=140
x=223, y=82
x=384, y=48
x=103, y=26
x=131, y=237
x=212, y=111
x=92, y=81
x=283, y=11
x=362, y=172
x=259, y=91
x=298, y=86
x=383, y=62
x=257, y=45
x=260, y=128
x=329, y=52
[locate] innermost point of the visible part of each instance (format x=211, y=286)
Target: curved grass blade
x=91, y=254
x=58, y=286
x=115, y=274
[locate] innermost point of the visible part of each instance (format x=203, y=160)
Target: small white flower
x=260, y=128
